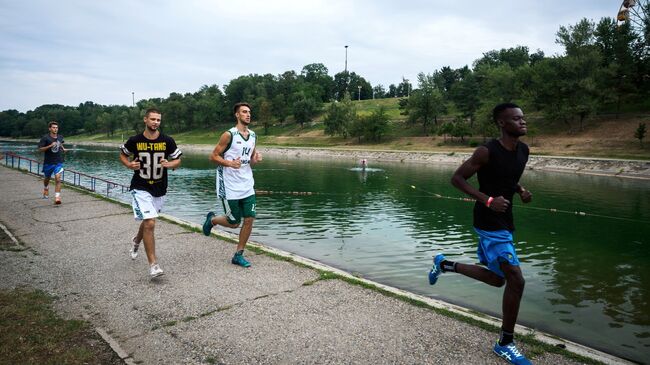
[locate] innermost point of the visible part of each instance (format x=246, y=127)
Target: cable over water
x=550, y=210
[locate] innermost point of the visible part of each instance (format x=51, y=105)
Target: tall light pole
x=345, y=73
x=359, y=92
x=133, y=97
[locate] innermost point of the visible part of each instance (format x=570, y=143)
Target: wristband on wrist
x=489, y=201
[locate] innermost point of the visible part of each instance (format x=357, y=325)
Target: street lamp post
x=345, y=73
x=359, y=92
x=133, y=97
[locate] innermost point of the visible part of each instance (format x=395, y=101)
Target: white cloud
x=73, y=51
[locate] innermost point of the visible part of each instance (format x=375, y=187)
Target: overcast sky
x=68, y=52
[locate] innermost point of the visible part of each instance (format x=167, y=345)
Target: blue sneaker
x=207, y=225
x=511, y=353
x=436, y=270
x=239, y=259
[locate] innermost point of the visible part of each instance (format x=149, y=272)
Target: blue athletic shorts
x=495, y=247
x=52, y=169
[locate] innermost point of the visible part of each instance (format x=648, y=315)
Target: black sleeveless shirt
x=499, y=177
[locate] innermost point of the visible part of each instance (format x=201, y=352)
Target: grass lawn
x=31, y=333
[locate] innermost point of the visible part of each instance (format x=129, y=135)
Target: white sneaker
x=134, y=249
x=155, y=271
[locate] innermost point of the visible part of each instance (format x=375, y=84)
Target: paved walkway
x=205, y=310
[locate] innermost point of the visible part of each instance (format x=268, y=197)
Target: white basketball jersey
x=237, y=183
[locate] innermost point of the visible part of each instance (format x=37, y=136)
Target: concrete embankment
x=205, y=310
x=638, y=169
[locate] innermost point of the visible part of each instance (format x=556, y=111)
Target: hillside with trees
x=603, y=75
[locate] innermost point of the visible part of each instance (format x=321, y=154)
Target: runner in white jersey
x=237, y=183
x=234, y=155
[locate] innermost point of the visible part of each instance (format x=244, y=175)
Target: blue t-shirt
x=54, y=154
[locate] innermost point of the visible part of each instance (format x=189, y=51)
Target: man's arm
x=479, y=158
x=257, y=157
x=45, y=148
x=173, y=164
x=218, y=151
x=525, y=195
x=42, y=147
x=132, y=165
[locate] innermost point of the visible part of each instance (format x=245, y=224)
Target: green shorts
x=238, y=208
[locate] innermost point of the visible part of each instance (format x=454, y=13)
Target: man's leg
x=57, y=188
x=476, y=272
x=46, y=187
x=505, y=347
x=147, y=230
x=512, y=295
x=245, y=233
x=138, y=236
x=222, y=220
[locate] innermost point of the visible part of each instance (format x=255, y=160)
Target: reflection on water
x=587, y=276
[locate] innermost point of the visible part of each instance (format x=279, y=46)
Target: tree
x=461, y=129
x=465, y=93
x=485, y=125
x=445, y=79
x=209, y=107
x=315, y=76
x=378, y=92
x=513, y=57
x=288, y=84
x=576, y=38
x=640, y=132
x=339, y=116
x=264, y=113
x=357, y=128
x=11, y=122
x=618, y=70
x=376, y=124
x=304, y=109
x=425, y=103
x=404, y=88
x=174, y=112
x=341, y=84
x=498, y=84
x=446, y=129
x=35, y=127
x=392, y=91
x=349, y=82
x=565, y=87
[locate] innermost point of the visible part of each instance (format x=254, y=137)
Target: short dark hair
x=52, y=123
x=235, y=108
x=151, y=110
x=496, y=112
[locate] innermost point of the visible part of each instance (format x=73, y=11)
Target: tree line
x=605, y=67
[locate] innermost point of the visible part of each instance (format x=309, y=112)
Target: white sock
x=57, y=195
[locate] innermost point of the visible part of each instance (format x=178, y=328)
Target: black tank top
x=499, y=177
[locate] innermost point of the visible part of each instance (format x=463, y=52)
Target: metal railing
x=79, y=179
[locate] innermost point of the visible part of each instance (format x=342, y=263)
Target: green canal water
x=587, y=274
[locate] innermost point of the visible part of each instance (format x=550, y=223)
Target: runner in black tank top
x=499, y=164
x=499, y=177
